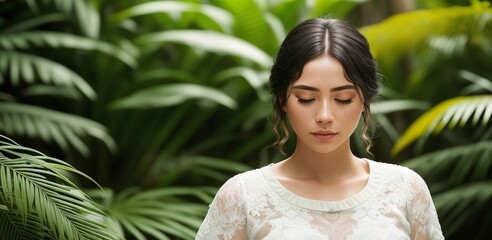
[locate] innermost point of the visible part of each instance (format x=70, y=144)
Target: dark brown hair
x=314, y=38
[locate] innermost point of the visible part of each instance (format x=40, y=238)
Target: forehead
x=324, y=72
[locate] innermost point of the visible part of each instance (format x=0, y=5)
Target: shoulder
x=400, y=178
x=392, y=171
x=241, y=178
x=234, y=186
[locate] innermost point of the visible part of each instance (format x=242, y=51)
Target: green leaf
x=389, y=106
x=479, y=84
x=34, y=22
x=22, y=66
x=334, y=8
x=38, y=194
x=50, y=125
x=254, y=24
x=168, y=74
x=451, y=163
x=182, y=166
x=256, y=79
x=447, y=114
x=210, y=41
x=84, y=12
x=218, y=15
x=12, y=226
x=389, y=40
x=160, y=212
x=458, y=205
x=24, y=40
x=173, y=94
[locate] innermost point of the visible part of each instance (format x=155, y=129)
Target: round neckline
x=320, y=205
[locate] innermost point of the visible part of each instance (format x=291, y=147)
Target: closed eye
x=305, y=101
x=344, y=101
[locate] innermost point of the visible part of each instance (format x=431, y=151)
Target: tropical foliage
x=173, y=89
x=38, y=201
x=447, y=66
x=161, y=101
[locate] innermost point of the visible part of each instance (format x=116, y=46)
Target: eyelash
x=341, y=101
x=344, y=101
x=304, y=101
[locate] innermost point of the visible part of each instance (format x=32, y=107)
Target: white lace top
x=395, y=204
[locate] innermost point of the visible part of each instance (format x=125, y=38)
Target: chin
x=324, y=150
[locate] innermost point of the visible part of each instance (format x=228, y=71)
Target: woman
x=323, y=79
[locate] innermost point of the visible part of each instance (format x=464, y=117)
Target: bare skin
x=324, y=109
x=316, y=178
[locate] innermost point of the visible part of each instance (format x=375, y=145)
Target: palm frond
x=389, y=39
x=27, y=67
x=471, y=161
x=210, y=167
x=14, y=227
x=34, y=22
x=49, y=90
x=449, y=46
x=52, y=126
x=34, y=189
x=160, y=213
x=27, y=39
x=219, y=16
x=84, y=11
x=173, y=94
x=459, y=205
x=209, y=41
x=389, y=106
x=448, y=114
x=479, y=84
x=168, y=74
x=379, y=109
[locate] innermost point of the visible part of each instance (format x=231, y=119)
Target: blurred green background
x=161, y=101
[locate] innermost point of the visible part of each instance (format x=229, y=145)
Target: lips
x=324, y=134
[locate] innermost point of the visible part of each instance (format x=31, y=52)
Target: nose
x=324, y=113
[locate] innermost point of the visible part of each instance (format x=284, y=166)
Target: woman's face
x=323, y=107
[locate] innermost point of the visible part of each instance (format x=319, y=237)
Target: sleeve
x=422, y=214
x=226, y=217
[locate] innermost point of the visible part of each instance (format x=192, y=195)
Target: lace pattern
x=395, y=204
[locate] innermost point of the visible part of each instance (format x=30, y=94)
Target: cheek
x=354, y=116
x=295, y=112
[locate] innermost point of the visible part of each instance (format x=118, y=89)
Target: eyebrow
x=335, y=89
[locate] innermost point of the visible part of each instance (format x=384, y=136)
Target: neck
x=337, y=165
